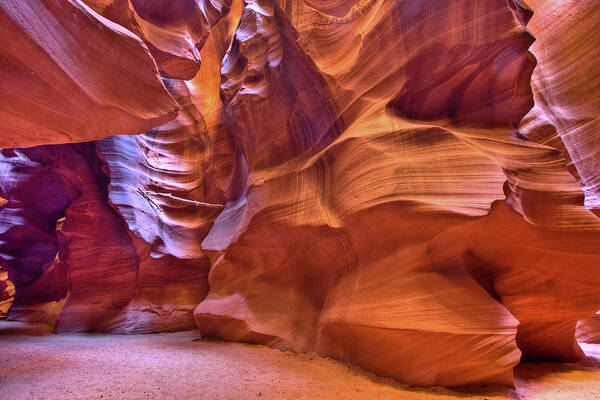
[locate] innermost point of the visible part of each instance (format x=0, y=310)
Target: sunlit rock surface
x=410, y=186
x=173, y=30
x=159, y=181
x=566, y=85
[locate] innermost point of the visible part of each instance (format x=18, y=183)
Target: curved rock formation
x=566, y=85
x=173, y=30
x=337, y=184
x=69, y=75
x=30, y=231
x=123, y=290
x=588, y=329
x=410, y=186
x=159, y=181
x=302, y=259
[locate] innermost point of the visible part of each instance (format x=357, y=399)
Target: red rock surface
x=173, y=30
x=69, y=75
x=47, y=247
x=588, y=329
x=410, y=186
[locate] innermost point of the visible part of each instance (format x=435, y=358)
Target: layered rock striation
x=409, y=186
x=60, y=64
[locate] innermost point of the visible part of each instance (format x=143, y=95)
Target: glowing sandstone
x=341, y=259
x=382, y=182
x=173, y=30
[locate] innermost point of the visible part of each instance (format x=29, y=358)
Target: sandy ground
x=182, y=366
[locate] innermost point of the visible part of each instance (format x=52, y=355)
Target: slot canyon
x=300, y=199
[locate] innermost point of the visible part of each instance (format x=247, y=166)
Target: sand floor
x=181, y=366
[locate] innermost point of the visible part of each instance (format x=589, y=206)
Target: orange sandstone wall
x=410, y=186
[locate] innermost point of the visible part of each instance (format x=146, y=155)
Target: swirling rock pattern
x=173, y=30
x=566, y=86
x=30, y=233
x=345, y=248
x=47, y=247
x=159, y=181
x=588, y=329
x=59, y=60
x=410, y=186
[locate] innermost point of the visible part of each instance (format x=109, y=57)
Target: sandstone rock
x=381, y=182
x=323, y=249
x=566, y=85
x=588, y=329
x=7, y=293
x=122, y=289
x=159, y=182
x=70, y=75
x=173, y=30
x=326, y=236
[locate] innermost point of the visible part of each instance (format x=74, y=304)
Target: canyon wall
x=410, y=186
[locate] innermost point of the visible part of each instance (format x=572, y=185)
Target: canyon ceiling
x=412, y=186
